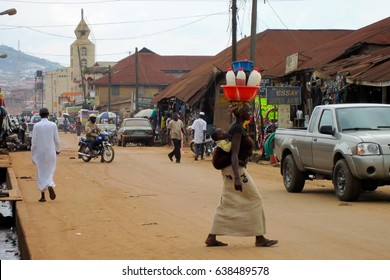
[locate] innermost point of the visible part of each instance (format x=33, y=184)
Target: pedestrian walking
x=199, y=126
x=22, y=130
x=175, y=130
x=66, y=122
x=240, y=212
x=45, y=145
x=79, y=127
x=167, y=121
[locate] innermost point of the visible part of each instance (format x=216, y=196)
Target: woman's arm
x=236, y=143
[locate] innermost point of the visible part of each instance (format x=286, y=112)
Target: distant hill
x=23, y=65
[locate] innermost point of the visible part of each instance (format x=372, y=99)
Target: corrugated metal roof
x=362, y=56
x=272, y=48
x=370, y=68
x=153, y=69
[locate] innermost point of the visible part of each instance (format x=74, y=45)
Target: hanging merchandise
x=230, y=77
x=241, y=77
x=254, y=78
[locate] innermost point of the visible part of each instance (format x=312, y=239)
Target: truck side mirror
x=327, y=129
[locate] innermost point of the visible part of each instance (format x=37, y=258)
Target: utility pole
x=234, y=30
x=136, y=80
x=253, y=32
x=109, y=88
x=253, y=59
x=38, y=89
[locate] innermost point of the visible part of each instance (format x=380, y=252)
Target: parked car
x=138, y=130
x=34, y=119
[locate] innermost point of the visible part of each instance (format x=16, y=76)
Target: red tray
x=240, y=93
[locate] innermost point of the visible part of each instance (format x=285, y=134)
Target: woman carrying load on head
x=240, y=212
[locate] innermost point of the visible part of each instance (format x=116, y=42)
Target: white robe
x=45, y=142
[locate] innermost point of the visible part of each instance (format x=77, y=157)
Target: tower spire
x=82, y=30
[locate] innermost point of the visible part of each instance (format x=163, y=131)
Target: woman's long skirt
x=239, y=213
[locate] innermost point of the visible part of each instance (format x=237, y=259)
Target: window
x=326, y=118
x=83, y=62
x=115, y=90
x=84, y=51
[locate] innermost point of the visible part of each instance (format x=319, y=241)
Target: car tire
x=150, y=143
x=293, y=178
x=347, y=187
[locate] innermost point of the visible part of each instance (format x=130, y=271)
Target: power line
x=122, y=38
x=123, y=22
x=269, y=4
x=103, y=1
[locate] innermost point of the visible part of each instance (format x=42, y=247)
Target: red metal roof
x=272, y=48
x=153, y=69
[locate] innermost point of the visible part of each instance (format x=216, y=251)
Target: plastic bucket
x=246, y=65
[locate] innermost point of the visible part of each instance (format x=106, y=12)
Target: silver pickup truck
x=346, y=143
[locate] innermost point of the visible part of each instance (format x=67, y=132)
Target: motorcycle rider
x=91, y=132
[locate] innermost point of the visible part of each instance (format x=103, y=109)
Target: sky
x=45, y=28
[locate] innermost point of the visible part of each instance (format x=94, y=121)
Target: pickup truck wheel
x=293, y=178
x=347, y=187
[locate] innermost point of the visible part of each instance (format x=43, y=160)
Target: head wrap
x=236, y=106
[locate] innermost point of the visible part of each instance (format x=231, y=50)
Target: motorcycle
x=209, y=146
x=112, y=138
x=103, y=149
x=14, y=144
x=10, y=140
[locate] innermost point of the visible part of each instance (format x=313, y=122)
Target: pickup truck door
x=323, y=144
x=306, y=149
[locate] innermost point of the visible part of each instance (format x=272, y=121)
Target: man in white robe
x=45, y=145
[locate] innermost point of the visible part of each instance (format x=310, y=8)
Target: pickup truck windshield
x=363, y=118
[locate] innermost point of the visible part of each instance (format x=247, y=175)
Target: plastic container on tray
x=246, y=65
x=240, y=93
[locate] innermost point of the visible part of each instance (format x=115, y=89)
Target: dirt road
x=142, y=206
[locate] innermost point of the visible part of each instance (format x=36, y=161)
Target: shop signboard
x=284, y=95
